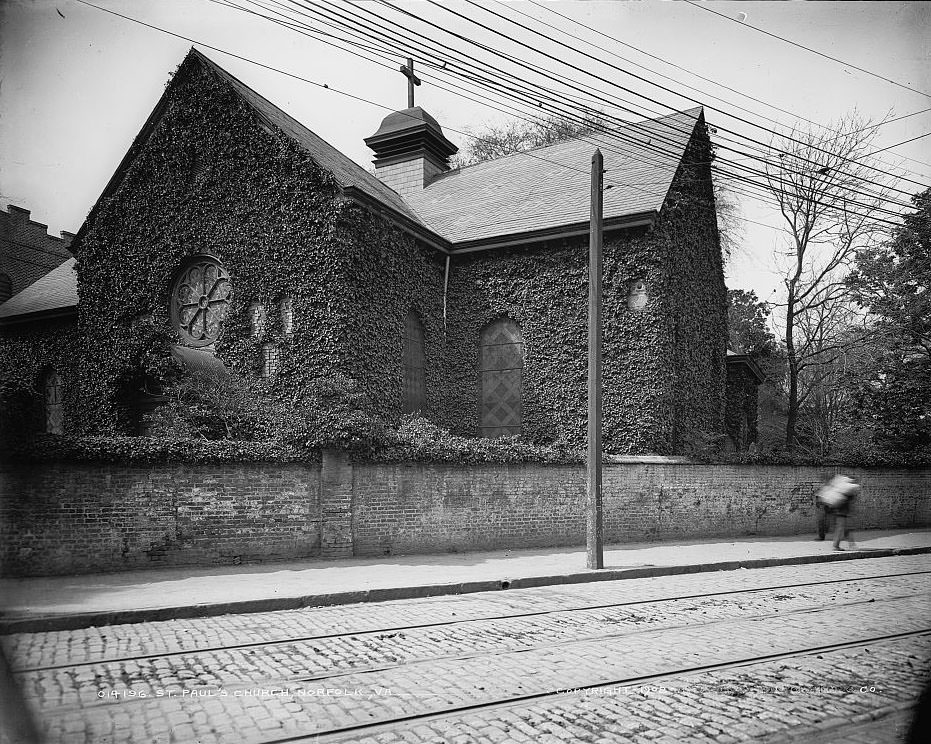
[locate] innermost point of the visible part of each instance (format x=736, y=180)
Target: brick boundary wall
x=79, y=519
x=71, y=519
x=413, y=508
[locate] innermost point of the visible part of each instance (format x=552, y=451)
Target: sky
x=78, y=82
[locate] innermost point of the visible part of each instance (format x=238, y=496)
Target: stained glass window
x=415, y=397
x=54, y=410
x=501, y=368
x=200, y=300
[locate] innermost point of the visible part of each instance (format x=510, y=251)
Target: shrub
x=146, y=450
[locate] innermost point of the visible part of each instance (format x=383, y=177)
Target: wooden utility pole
x=593, y=525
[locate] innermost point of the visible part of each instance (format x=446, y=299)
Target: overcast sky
x=79, y=82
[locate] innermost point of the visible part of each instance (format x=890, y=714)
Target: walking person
x=838, y=496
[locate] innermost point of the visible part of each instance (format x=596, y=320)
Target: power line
x=764, y=189
x=619, y=69
x=575, y=87
x=676, y=155
x=695, y=74
x=920, y=136
x=704, y=7
x=323, y=85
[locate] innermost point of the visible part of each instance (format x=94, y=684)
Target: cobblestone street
x=830, y=652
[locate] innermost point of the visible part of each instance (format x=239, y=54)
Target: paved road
x=832, y=652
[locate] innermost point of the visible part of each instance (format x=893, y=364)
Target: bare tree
x=730, y=219
x=831, y=201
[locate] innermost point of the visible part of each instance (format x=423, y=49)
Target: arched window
x=257, y=319
x=502, y=361
x=54, y=410
x=6, y=287
x=269, y=360
x=415, y=396
x=287, y=316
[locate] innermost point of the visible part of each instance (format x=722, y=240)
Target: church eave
x=407, y=225
x=639, y=219
x=39, y=316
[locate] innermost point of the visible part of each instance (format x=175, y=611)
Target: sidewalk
x=68, y=602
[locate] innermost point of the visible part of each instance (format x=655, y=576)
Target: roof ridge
x=574, y=138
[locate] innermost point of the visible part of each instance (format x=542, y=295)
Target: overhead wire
x=676, y=155
x=702, y=6
x=295, y=76
x=619, y=69
x=301, y=78
x=735, y=176
x=555, y=79
x=549, y=9
x=669, y=154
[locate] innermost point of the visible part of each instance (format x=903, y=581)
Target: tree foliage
x=893, y=282
x=748, y=329
x=496, y=141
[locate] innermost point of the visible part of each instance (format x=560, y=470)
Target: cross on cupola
x=412, y=80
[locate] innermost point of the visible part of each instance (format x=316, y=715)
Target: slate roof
x=549, y=187
x=57, y=290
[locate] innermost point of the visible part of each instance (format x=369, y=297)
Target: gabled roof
x=550, y=187
x=55, y=293
x=540, y=193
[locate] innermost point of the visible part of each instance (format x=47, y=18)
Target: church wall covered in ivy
x=232, y=238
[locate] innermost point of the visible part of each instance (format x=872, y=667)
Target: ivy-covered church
x=230, y=233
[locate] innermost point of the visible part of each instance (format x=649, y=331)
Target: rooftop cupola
x=410, y=150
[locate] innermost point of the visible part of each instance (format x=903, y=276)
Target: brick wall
x=79, y=519
x=416, y=508
x=27, y=251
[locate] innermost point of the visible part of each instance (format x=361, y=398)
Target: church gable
x=211, y=207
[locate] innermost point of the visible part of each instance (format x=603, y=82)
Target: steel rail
x=465, y=621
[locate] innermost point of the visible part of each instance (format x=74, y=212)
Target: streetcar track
x=399, y=628
x=297, y=682
x=518, y=699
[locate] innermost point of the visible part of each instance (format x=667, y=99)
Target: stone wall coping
x=647, y=459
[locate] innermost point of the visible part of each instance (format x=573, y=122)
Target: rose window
x=199, y=301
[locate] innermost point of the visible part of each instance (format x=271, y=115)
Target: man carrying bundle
x=837, y=495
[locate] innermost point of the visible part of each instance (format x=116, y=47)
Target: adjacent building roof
x=56, y=292
x=746, y=360
x=550, y=187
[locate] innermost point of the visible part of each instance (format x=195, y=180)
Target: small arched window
x=270, y=358
x=415, y=394
x=287, y=316
x=257, y=319
x=6, y=287
x=54, y=409
x=500, y=372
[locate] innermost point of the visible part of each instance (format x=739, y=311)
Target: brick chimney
x=410, y=150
